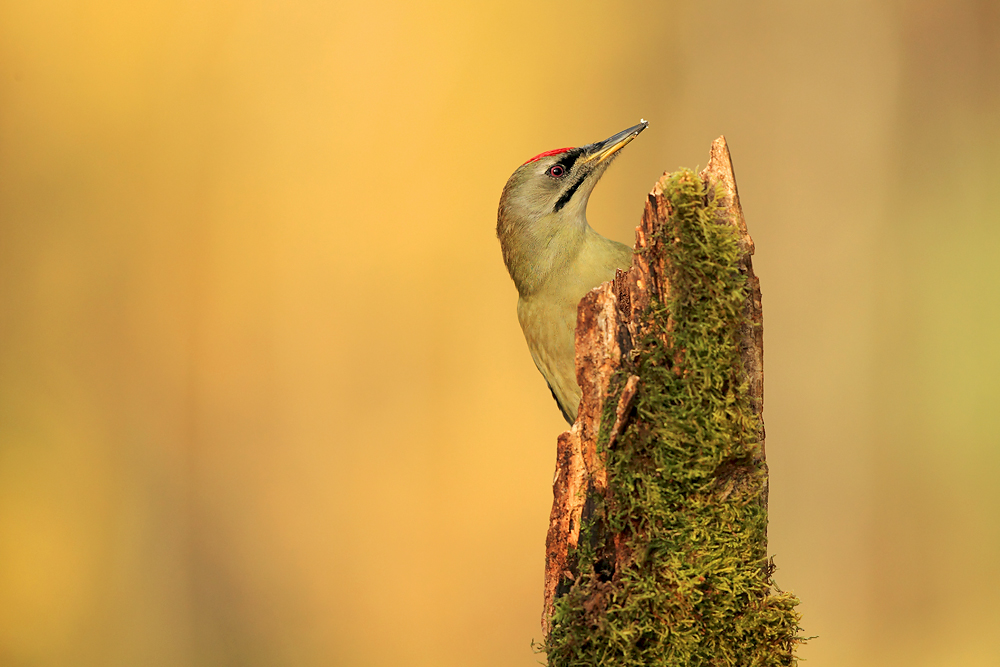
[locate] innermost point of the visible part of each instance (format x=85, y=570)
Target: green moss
x=686, y=483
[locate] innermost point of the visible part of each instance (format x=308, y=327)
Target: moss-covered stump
x=657, y=545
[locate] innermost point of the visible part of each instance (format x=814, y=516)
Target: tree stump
x=657, y=546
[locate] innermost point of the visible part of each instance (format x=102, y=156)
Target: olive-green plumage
x=553, y=255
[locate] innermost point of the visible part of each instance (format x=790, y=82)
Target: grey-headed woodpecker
x=554, y=256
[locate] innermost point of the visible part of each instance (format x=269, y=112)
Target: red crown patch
x=555, y=151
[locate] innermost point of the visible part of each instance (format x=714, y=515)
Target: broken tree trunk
x=657, y=545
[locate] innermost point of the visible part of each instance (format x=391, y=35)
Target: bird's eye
x=556, y=171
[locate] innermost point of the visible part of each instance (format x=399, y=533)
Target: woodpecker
x=554, y=256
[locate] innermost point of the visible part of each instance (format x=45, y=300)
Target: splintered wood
x=609, y=323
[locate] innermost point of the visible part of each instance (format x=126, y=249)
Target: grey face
x=558, y=178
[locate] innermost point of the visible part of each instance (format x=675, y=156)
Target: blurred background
x=263, y=395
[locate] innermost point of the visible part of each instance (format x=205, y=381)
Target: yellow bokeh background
x=263, y=395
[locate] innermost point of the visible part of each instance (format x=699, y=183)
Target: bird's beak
x=603, y=150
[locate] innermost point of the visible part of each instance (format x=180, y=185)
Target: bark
x=612, y=320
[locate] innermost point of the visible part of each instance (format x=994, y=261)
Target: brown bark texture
x=609, y=319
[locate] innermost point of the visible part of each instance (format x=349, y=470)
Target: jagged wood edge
x=609, y=319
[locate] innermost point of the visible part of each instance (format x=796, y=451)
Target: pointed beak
x=601, y=151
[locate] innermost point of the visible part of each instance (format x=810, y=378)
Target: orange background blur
x=263, y=395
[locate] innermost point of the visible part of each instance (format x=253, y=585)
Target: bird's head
x=542, y=218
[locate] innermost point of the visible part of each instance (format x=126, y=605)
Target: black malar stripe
x=570, y=191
